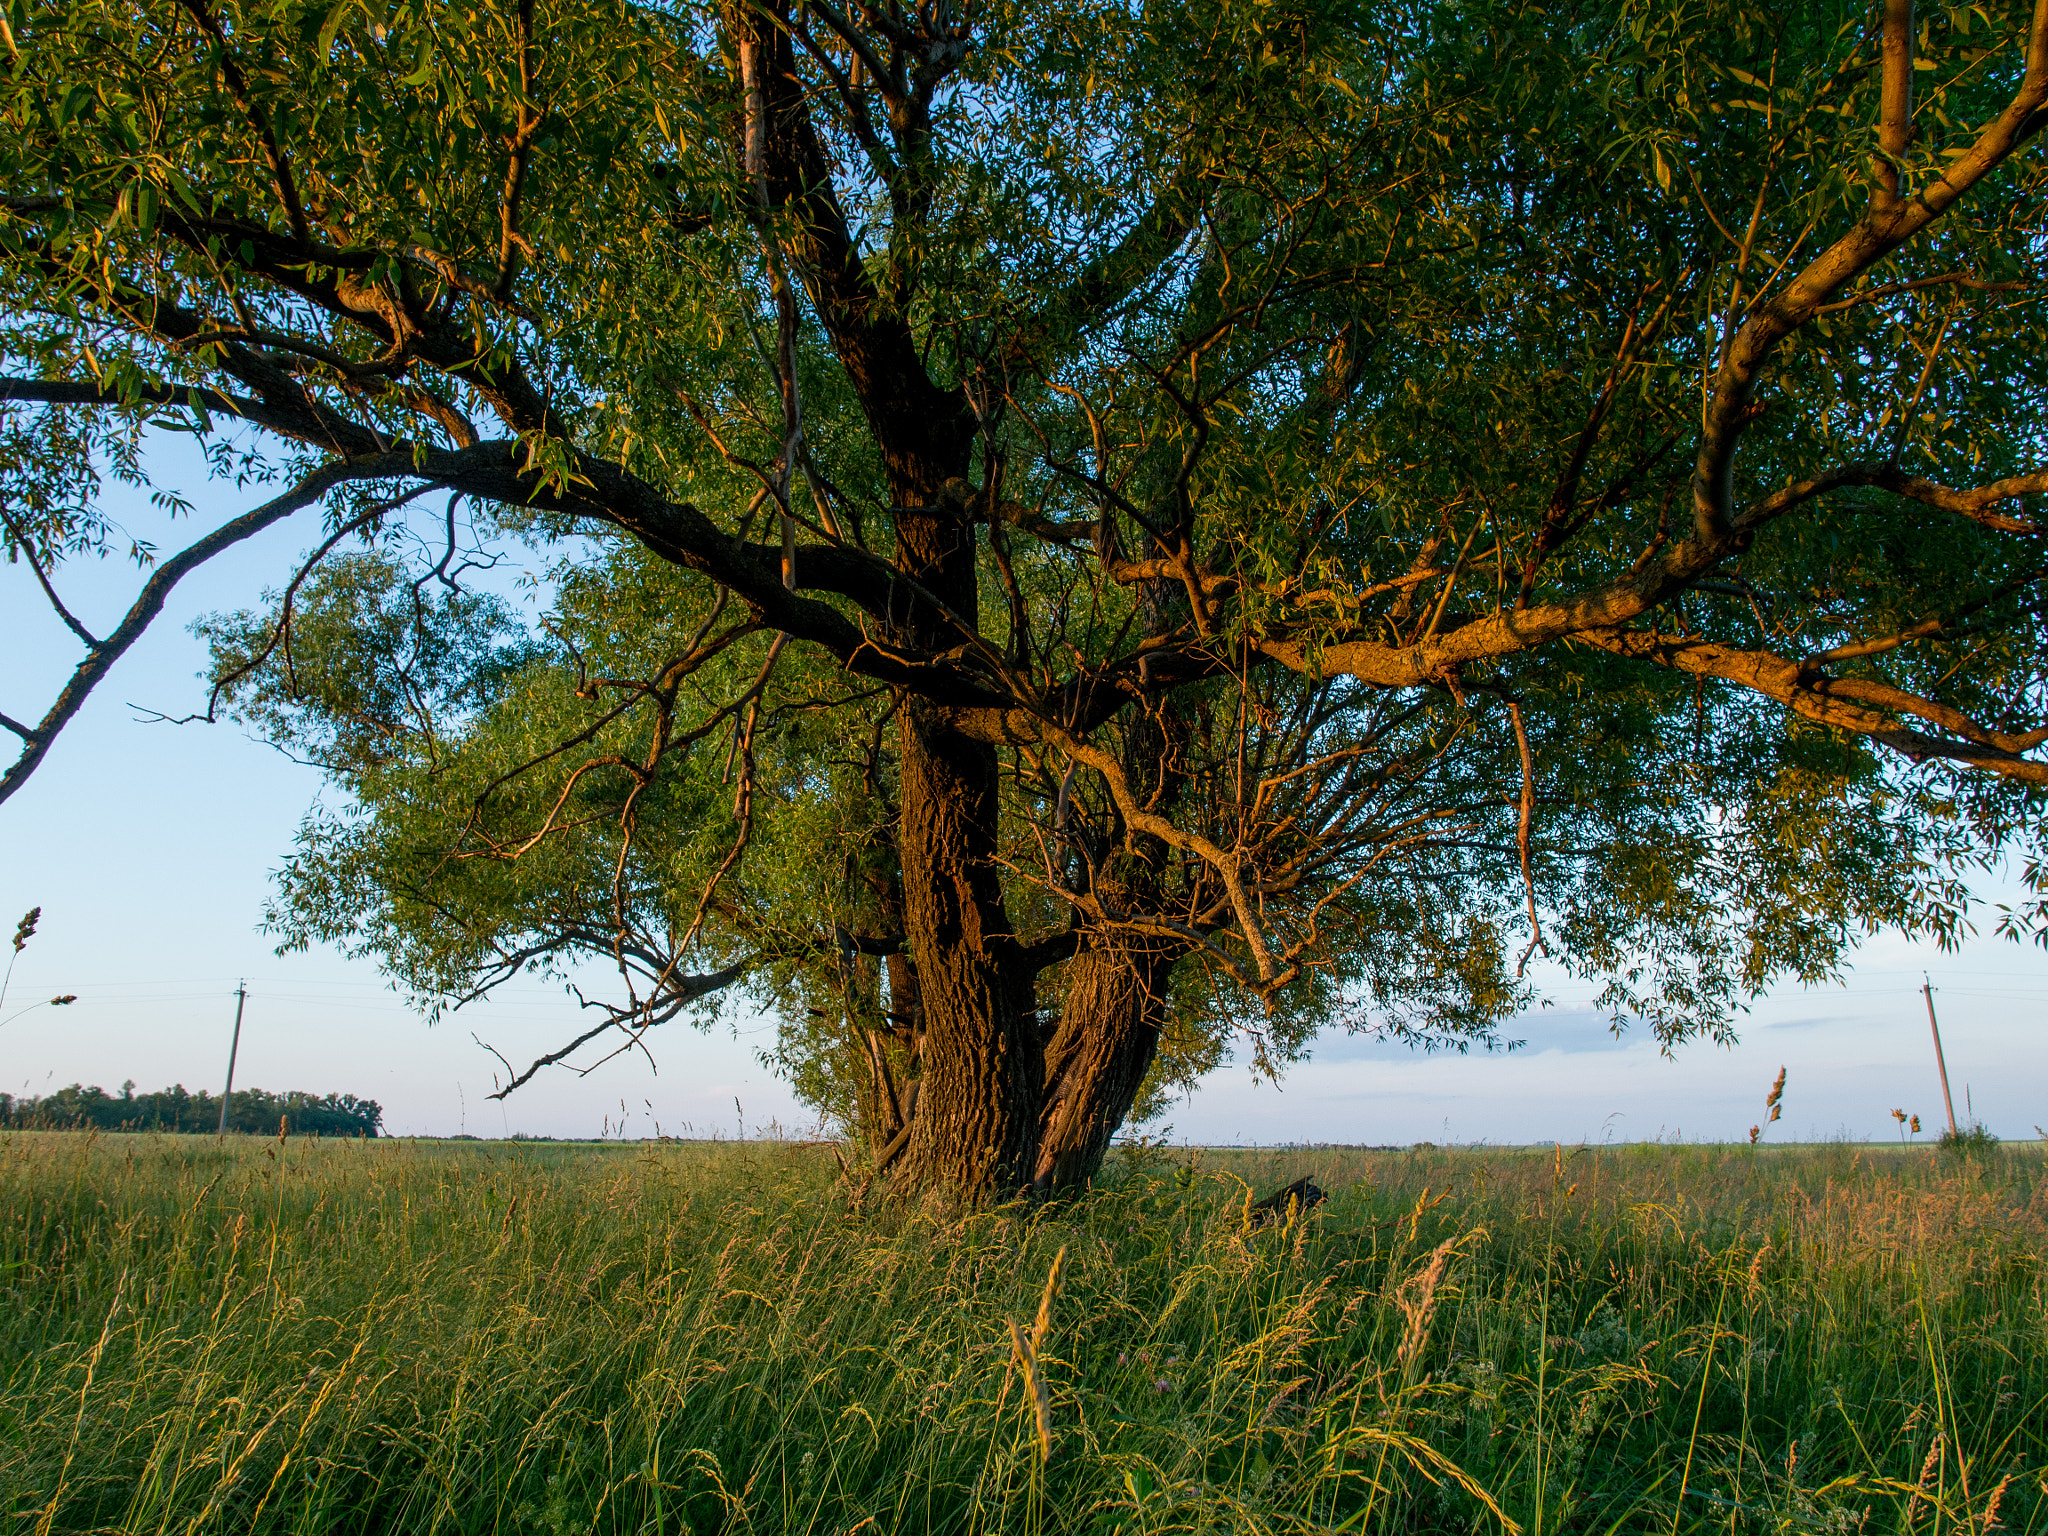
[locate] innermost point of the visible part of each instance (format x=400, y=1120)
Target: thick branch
x=1861, y=708
x=285, y=423
x=1974, y=504
x=150, y=601
x=910, y=415
x=1616, y=605
x=1895, y=112
x=1888, y=225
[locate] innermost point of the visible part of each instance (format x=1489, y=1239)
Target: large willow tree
x=1079, y=533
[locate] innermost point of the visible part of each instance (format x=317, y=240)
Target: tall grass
x=394, y=1336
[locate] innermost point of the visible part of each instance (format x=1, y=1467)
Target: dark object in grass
x=1303, y=1192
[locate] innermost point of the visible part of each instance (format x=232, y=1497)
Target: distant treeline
x=174, y=1109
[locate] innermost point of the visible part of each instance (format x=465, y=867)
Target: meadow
x=328, y=1336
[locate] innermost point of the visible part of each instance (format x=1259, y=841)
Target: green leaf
x=74, y=103
x=423, y=64
x=331, y=28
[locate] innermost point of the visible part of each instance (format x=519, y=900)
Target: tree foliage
x=1080, y=534
x=251, y=1111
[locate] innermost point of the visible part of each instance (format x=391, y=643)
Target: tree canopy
x=251, y=1111
x=1078, y=534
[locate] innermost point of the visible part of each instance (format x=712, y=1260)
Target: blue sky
x=149, y=847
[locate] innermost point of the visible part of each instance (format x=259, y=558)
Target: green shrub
x=1972, y=1140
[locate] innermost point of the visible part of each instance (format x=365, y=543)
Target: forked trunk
x=993, y=1115
x=1107, y=1036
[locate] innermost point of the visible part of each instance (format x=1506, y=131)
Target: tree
x=1080, y=527
x=252, y=1111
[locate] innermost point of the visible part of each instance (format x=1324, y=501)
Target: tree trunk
x=976, y=1125
x=975, y=1128
x=1107, y=1036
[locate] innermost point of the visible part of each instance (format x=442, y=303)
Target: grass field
x=394, y=1336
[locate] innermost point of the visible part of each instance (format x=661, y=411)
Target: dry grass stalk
x=1416, y=1297
x=1027, y=1348
x=1034, y=1383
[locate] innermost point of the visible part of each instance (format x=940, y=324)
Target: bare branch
x=689, y=989
x=28, y=553
x=150, y=601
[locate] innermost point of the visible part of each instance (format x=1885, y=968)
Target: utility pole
x=242, y=996
x=1927, y=991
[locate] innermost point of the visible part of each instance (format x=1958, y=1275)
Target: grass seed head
x=1926, y=1476
x=1035, y=1384
x=1997, y=1498
x=1416, y=1298
x=1044, y=1318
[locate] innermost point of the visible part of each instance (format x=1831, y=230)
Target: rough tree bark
x=1107, y=1035
x=975, y=1124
